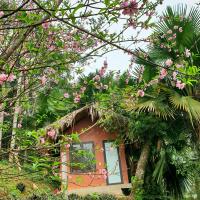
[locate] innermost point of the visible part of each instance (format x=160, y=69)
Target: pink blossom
x=43, y=80
x=77, y=99
x=103, y=171
x=97, y=78
x=66, y=95
x=187, y=53
x=42, y=140
x=168, y=62
x=83, y=89
x=67, y=146
x=51, y=133
x=105, y=176
x=51, y=47
x=3, y=77
x=180, y=29
x=140, y=93
x=132, y=23
x=174, y=35
x=102, y=71
x=126, y=81
x=129, y=8
x=174, y=74
x=180, y=85
x=170, y=38
x=11, y=78
x=45, y=25
x=19, y=125
x=1, y=13
x=163, y=73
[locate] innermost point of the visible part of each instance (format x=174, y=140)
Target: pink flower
x=170, y=38
x=66, y=95
x=187, y=53
x=43, y=80
x=140, y=93
x=180, y=29
x=3, y=77
x=174, y=75
x=174, y=35
x=19, y=125
x=103, y=171
x=67, y=146
x=42, y=140
x=51, y=47
x=102, y=71
x=45, y=25
x=51, y=133
x=11, y=78
x=1, y=13
x=180, y=85
x=105, y=176
x=77, y=99
x=97, y=78
x=163, y=73
x=129, y=8
x=168, y=62
x=83, y=89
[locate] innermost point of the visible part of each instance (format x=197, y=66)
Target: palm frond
x=156, y=106
x=187, y=104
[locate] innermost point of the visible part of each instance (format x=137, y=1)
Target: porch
x=110, y=189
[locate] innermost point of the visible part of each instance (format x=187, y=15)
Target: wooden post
x=64, y=177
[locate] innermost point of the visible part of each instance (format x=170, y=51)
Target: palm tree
x=177, y=33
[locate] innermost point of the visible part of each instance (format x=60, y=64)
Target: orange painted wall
x=96, y=135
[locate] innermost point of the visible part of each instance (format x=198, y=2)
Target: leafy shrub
x=75, y=197
x=100, y=197
x=46, y=197
x=107, y=197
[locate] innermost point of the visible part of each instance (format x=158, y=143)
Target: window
x=82, y=158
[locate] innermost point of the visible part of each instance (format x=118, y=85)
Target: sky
x=117, y=60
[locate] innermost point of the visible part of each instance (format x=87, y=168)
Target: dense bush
x=46, y=197
x=94, y=196
x=74, y=197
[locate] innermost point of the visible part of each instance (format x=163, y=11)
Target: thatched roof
x=71, y=118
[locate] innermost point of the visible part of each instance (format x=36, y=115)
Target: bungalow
x=94, y=164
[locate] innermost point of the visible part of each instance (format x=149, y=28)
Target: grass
x=10, y=176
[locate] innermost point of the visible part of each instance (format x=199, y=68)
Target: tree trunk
x=15, y=120
x=1, y=124
x=140, y=171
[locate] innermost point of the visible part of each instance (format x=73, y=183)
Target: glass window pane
x=82, y=158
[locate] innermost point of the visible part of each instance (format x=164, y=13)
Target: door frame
x=120, y=167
